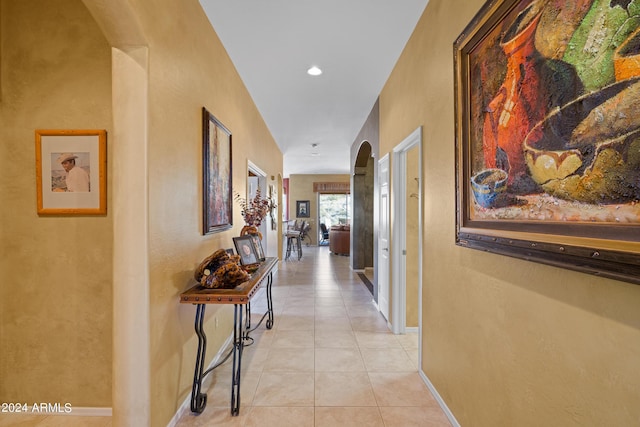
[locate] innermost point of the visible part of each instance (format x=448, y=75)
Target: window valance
x=332, y=187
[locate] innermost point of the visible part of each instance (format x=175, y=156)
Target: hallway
x=329, y=360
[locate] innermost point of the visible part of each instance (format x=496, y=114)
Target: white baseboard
x=412, y=330
x=75, y=411
x=91, y=412
x=186, y=404
x=436, y=395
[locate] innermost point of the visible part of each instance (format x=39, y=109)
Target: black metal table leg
x=247, y=313
x=269, y=323
x=198, y=399
x=238, y=343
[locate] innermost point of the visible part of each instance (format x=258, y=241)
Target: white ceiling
x=272, y=44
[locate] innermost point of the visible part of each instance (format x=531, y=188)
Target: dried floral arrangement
x=253, y=210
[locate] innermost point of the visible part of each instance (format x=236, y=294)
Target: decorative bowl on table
x=250, y=268
x=220, y=271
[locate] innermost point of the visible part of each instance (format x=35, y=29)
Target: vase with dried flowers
x=253, y=211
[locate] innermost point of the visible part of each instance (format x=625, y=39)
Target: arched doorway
x=362, y=236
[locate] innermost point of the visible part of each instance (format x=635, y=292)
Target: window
x=334, y=209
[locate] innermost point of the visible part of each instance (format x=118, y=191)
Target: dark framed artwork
x=71, y=172
x=216, y=175
x=303, y=208
x=246, y=249
x=548, y=136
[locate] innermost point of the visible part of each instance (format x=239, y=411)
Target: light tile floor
x=330, y=359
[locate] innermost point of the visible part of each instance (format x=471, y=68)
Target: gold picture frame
x=71, y=172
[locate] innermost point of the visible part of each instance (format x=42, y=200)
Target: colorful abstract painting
x=554, y=90
x=547, y=132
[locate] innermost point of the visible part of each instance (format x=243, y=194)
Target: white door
x=383, y=236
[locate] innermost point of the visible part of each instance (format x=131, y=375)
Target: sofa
x=340, y=239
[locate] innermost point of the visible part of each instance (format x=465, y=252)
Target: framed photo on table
x=547, y=135
x=257, y=244
x=71, y=172
x=217, y=208
x=245, y=247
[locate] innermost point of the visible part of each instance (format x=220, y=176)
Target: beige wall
x=189, y=70
x=301, y=188
x=56, y=294
x=506, y=342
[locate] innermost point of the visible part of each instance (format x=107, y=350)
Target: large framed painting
x=216, y=175
x=71, y=171
x=548, y=134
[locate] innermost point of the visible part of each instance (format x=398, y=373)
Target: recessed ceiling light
x=314, y=71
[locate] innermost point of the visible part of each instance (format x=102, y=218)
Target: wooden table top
x=241, y=294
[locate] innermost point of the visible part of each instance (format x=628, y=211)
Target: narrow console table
x=240, y=297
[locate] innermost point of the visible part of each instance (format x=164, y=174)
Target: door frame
x=262, y=184
x=399, y=232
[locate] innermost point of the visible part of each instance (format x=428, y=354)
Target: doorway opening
x=257, y=180
x=362, y=229
x=334, y=209
x=407, y=239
